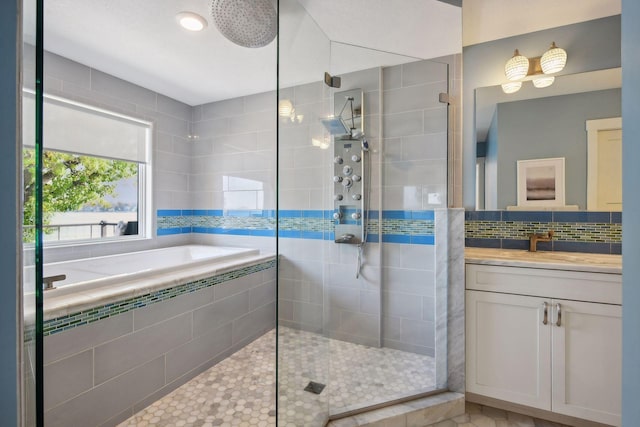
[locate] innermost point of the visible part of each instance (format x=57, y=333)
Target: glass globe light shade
x=545, y=81
x=285, y=108
x=517, y=67
x=553, y=60
x=511, y=87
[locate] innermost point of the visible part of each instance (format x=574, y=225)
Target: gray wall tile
x=66, y=70
x=113, y=86
x=122, y=354
x=262, y=294
x=174, y=108
x=229, y=107
x=158, y=312
x=236, y=286
x=220, y=312
x=255, y=323
x=73, y=341
x=197, y=351
x=112, y=397
x=417, y=332
x=67, y=378
x=413, y=98
x=421, y=72
x=402, y=305
x=403, y=124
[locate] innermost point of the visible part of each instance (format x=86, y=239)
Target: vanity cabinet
x=547, y=339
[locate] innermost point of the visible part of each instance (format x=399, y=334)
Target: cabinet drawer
x=570, y=285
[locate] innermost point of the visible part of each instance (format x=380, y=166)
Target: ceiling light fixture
x=191, y=21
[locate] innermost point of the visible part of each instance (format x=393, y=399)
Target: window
x=96, y=173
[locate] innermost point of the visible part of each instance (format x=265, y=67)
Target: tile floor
x=485, y=416
x=240, y=391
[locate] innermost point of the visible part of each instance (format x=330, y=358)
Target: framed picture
x=541, y=182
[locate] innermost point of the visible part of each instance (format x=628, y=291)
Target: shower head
x=336, y=126
x=247, y=23
x=356, y=134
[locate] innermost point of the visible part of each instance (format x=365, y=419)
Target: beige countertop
x=571, y=261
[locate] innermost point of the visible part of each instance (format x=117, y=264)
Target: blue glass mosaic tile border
x=73, y=320
x=408, y=227
x=593, y=232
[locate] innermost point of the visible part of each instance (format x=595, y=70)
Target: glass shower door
x=362, y=184
x=303, y=156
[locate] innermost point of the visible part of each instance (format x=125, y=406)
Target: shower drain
x=314, y=387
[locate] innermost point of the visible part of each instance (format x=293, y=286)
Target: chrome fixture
x=534, y=238
x=247, y=23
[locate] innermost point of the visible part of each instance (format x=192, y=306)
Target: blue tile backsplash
x=408, y=227
x=594, y=232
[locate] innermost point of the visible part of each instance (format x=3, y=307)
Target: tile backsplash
x=594, y=232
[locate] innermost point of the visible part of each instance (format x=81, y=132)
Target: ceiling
x=139, y=41
x=487, y=20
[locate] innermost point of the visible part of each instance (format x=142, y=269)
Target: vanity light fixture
x=191, y=21
x=519, y=66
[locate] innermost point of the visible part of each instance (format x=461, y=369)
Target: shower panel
x=348, y=168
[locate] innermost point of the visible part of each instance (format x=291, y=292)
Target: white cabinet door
x=508, y=348
x=587, y=361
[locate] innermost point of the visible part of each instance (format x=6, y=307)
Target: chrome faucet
x=538, y=237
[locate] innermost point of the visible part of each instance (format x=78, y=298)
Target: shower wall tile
x=113, y=86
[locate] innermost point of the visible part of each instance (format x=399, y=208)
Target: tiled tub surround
x=595, y=232
x=409, y=227
x=117, y=358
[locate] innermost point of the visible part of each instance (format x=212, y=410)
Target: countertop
x=570, y=261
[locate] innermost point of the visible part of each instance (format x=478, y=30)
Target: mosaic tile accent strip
x=409, y=227
x=63, y=323
x=595, y=232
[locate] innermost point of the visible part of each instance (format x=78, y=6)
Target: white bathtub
x=116, y=268
x=92, y=282
x=109, y=269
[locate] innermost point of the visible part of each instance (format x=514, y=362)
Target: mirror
x=551, y=123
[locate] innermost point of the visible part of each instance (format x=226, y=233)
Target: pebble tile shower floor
x=240, y=390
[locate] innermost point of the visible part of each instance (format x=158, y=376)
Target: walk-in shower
x=314, y=158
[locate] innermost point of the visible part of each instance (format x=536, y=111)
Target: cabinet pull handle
x=559, y=315
x=545, y=314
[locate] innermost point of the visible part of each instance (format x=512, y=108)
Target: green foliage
x=70, y=182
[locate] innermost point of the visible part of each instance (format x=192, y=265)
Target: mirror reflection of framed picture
x=541, y=182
